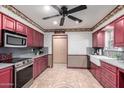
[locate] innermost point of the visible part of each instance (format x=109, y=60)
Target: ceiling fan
x=63, y=11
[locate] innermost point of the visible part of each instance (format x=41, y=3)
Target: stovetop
x=14, y=60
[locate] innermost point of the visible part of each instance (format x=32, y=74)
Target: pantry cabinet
x=40, y=64
x=21, y=28
x=6, y=77
x=8, y=23
x=119, y=33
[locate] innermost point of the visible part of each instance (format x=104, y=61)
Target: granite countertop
x=112, y=61
x=4, y=65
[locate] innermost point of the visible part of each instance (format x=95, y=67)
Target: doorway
x=60, y=49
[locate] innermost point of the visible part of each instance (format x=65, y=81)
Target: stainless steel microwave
x=14, y=40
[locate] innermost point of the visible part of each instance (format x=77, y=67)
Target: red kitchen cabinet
x=0, y=29
x=101, y=39
x=20, y=28
x=120, y=78
x=6, y=77
x=40, y=64
x=109, y=75
x=119, y=33
x=94, y=37
x=41, y=40
x=30, y=37
x=8, y=23
x=96, y=71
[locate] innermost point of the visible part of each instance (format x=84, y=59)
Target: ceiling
x=90, y=16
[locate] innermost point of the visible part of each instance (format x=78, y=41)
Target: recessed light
x=77, y=22
x=55, y=22
x=47, y=7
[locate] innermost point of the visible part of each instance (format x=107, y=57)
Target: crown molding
x=23, y=16
x=108, y=16
x=70, y=30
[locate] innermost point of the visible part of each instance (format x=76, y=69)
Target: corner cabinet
x=6, y=77
x=119, y=33
x=8, y=23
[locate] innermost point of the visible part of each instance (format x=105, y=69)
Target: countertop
x=112, y=61
x=5, y=65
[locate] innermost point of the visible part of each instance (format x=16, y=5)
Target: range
x=23, y=72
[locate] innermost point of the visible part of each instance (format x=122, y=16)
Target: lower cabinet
x=6, y=77
x=40, y=64
x=109, y=75
x=96, y=71
x=106, y=74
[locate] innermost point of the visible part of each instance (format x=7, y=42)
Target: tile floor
x=61, y=77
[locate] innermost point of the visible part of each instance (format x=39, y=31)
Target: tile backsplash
x=18, y=52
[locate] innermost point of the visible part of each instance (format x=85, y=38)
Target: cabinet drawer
x=109, y=67
x=107, y=84
x=109, y=75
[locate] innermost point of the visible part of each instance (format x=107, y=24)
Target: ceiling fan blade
x=57, y=8
x=74, y=18
x=76, y=9
x=62, y=21
x=50, y=17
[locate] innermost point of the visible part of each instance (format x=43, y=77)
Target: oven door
x=24, y=76
x=14, y=40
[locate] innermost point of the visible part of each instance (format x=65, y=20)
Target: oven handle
x=20, y=68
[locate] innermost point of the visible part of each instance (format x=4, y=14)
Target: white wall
x=77, y=42
x=11, y=14
x=120, y=13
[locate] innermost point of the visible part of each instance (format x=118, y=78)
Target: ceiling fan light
x=77, y=22
x=47, y=7
x=55, y=22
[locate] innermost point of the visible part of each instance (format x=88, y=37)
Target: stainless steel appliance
x=12, y=39
x=23, y=72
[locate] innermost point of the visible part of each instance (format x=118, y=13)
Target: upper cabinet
x=20, y=28
x=34, y=38
x=99, y=39
x=94, y=38
x=8, y=23
x=119, y=33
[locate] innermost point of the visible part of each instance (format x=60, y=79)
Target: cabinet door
x=101, y=39
x=94, y=36
x=6, y=77
x=20, y=28
x=0, y=29
x=8, y=23
x=119, y=33
x=42, y=40
x=29, y=37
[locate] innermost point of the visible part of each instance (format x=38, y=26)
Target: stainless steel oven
x=13, y=39
x=24, y=74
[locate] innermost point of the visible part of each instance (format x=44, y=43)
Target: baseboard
x=77, y=67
